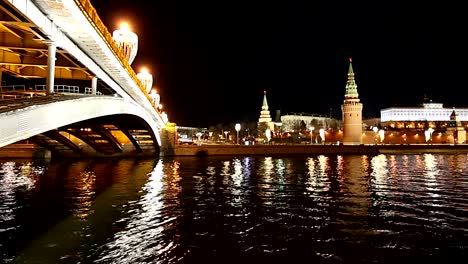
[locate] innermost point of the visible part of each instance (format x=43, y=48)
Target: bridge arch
x=30, y=121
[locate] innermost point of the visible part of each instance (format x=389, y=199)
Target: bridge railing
x=21, y=91
x=59, y=88
x=89, y=90
x=94, y=20
x=12, y=88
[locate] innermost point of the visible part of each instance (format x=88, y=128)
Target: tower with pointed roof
x=352, y=111
x=455, y=130
x=265, y=122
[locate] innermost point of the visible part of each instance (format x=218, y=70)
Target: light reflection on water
x=331, y=209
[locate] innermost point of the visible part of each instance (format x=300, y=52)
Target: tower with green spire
x=352, y=111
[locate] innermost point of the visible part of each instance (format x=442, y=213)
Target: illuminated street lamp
x=268, y=135
x=199, y=134
x=127, y=41
x=375, y=129
x=381, y=135
x=322, y=135
x=237, y=127
x=225, y=137
x=428, y=134
x=311, y=133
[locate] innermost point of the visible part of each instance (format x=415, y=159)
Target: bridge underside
x=117, y=135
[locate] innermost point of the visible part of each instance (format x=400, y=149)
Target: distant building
x=189, y=134
x=294, y=122
x=352, y=111
x=428, y=115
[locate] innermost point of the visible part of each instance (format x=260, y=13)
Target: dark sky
x=211, y=60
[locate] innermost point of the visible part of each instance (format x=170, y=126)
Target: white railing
x=59, y=88
x=89, y=90
x=12, y=88
x=17, y=90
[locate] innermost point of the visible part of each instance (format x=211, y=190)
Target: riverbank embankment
x=210, y=150
x=31, y=151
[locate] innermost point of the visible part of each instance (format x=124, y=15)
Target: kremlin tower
x=455, y=130
x=264, y=122
x=352, y=112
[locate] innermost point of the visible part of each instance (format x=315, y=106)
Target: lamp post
x=268, y=135
x=237, y=127
x=381, y=135
x=199, y=134
x=375, y=129
x=225, y=137
x=311, y=133
x=322, y=135
x=428, y=134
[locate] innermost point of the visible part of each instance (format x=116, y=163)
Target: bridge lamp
x=155, y=97
x=127, y=41
x=164, y=117
x=146, y=79
x=237, y=127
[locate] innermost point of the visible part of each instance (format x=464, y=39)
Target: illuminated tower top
x=351, y=86
x=264, y=114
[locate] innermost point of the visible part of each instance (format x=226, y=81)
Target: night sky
x=212, y=60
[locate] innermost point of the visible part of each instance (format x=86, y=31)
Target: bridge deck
x=11, y=104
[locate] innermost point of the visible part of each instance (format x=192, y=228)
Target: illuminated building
x=295, y=122
x=352, y=111
x=428, y=115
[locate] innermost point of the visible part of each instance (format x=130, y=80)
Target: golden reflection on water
x=431, y=172
x=318, y=179
x=379, y=172
x=15, y=177
x=147, y=222
x=237, y=178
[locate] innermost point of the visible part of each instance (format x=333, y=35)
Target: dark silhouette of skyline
x=212, y=60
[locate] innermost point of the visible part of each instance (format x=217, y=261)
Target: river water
x=259, y=209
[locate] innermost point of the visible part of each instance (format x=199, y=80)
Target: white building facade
x=430, y=112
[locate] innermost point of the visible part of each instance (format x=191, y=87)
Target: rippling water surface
x=292, y=209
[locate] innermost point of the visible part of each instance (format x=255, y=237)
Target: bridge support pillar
x=52, y=48
x=94, y=85
x=168, y=139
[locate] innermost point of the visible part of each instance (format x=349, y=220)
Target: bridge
x=68, y=87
